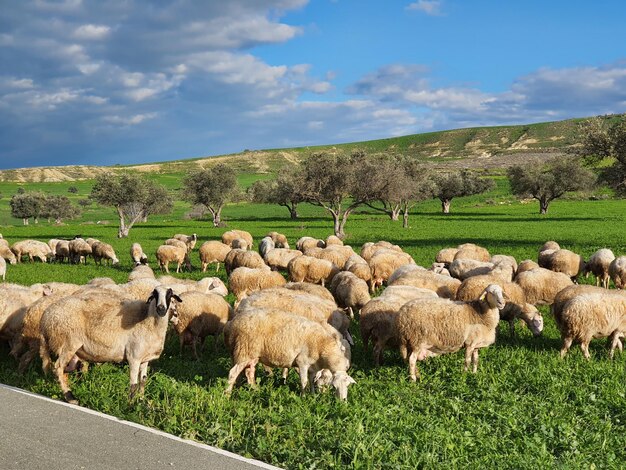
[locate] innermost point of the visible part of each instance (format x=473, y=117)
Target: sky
x=107, y=82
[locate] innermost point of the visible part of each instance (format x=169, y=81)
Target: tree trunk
x=395, y=213
x=293, y=211
x=25, y=221
x=338, y=226
x=217, y=216
x=123, y=230
x=445, y=206
x=405, y=218
x=543, y=206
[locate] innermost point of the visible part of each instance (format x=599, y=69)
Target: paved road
x=37, y=433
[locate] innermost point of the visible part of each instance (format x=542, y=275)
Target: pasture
x=525, y=408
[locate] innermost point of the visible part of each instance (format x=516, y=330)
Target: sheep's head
x=494, y=296
x=341, y=382
x=533, y=319
x=163, y=299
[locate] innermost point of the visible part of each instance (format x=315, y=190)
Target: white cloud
x=17, y=83
x=131, y=120
x=92, y=32
x=430, y=7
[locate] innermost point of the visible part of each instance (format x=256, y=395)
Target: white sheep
x=429, y=327
x=101, y=327
x=79, y=250
x=598, y=265
x=137, y=255
x=383, y=263
x=3, y=268
x=446, y=255
x=350, y=292
x=462, y=268
x=266, y=244
x=309, y=269
x=189, y=240
x=238, y=257
x=304, y=243
x=617, y=271
x=103, y=251
x=313, y=289
x=444, y=286
x=541, y=285
x=62, y=251
x=213, y=251
x=141, y=271
x=562, y=261
x=242, y=281
x=228, y=237
x=280, y=240
x=472, y=251
x=6, y=253
x=278, y=258
x=166, y=254
x=31, y=248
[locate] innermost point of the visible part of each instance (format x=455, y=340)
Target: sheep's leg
x=378, y=352
x=178, y=267
x=133, y=367
x=584, y=347
x=143, y=377
x=194, y=347
x=303, y=370
x=217, y=268
x=475, y=360
x=234, y=372
x=181, y=338
x=351, y=313
x=285, y=374
x=311, y=377
x=59, y=369
x=567, y=343
x=250, y=372
x=413, y=372
x=512, y=327
x=27, y=357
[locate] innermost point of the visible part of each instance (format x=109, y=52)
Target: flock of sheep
x=304, y=323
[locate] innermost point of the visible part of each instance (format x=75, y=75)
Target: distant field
x=525, y=408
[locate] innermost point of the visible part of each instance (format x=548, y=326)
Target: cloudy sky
x=127, y=81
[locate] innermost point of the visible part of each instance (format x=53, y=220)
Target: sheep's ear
x=483, y=296
x=152, y=297
x=177, y=298
x=350, y=380
x=47, y=290
x=506, y=297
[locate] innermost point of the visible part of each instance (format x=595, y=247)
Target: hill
x=477, y=147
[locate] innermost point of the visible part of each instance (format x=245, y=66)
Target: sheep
x=137, y=255
x=313, y=289
x=333, y=240
x=541, y=285
x=593, y=315
x=92, y=241
x=280, y=240
x=138, y=289
x=237, y=258
x=377, y=319
x=526, y=265
x=79, y=249
x=462, y=268
x=350, y=292
x=239, y=243
x=62, y=251
x=504, y=260
x=101, y=282
x=244, y=280
x=32, y=248
x=404, y=270
x=471, y=251
x=429, y=327
x=101, y=327
x=573, y=291
x=6, y=254
x=189, y=240
x=278, y=258
x=383, y=263
x=309, y=242
x=178, y=243
x=359, y=267
x=368, y=250
x=309, y=269
x=438, y=268
x=617, y=272
x=200, y=315
x=446, y=255
x=265, y=245
x=444, y=286
x=336, y=254
x=598, y=265
x=278, y=339
x=550, y=245
x=3, y=269
x=228, y=237
x=141, y=271
x=516, y=305
x=213, y=251
x=52, y=243
x=103, y=251
x=562, y=261
x=165, y=254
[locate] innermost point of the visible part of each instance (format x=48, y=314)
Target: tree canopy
x=285, y=190
x=213, y=188
x=464, y=183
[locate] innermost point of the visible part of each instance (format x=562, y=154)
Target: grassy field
x=525, y=408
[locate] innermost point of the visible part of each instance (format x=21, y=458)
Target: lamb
x=278, y=258
x=313, y=289
x=31, y=248
x=444, y=286
x=265, y=245
x=472, y=251
x=593, y=315
x=79, y=249
x=383, y=263
x=213, y=251
x=541, y=285
x=562, y=261
x=165, y=254
x=200, y=315
x=278, y=339
x=359, y=267
x=350, y=291
x=189, y=240
x=309, y=269
x=280, y=240
x=333, y=240
x=446, y=255
x=617, y=271
x=598, y=265
x=516, y=305
x=137, y=255
x=100, y=327
x=103, y=251
x=309, y=242
x=228, y=237
x=377, y=319
x=141, y=271
x=62, y=251
x=429, y=327
x=237, y=258
x=244, y=280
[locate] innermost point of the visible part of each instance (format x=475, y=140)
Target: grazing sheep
x=228, y=237
x=562, y=261
x=526, y=265
x=384, y=262
x=439, y=268
x=278, y=258
x=598, y=265
x=278, y=339
x=446, y=255
x=593, y=315
x=92, y=241
x=404, y=270
x=429, y=327
x=31, y=248
x=462, y=268
x=266, y=244
x=101, y=327
x=368, y=250
x=309, y=269
x=141, y=271
x=617, y=271
x=350, y=292
x=280, y=240
x=444, y=286
x=333, y=240
x=541, y=285
x=313, y=289
x=550, y=245
x=239, y=243
x=359, y=267
x=176, y=242
x=198, y=316
x=7, y=254
x=573, y=291
x=104, y=251
x=244, y=280
x=505, y=260
x=305, y=243
x=516, y=305
x=189, y=240
x=137, y=255
x=237, y=258
x=165, y=254
x=213, y=251
x=52, y=243
x=3, y=269
x=62, y=251
x=79, y=249
x=139, y=288
x=377, y=319
x=472, y=251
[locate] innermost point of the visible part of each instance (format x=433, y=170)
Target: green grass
x=525, y=408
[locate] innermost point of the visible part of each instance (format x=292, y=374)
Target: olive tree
x=26, y=205
x=550, y=181
x=58, y=208
x=285, y=190
x=449, y=185
x=212, y=188
x=134, y=197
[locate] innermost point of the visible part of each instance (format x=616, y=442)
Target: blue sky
x=128, y=81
